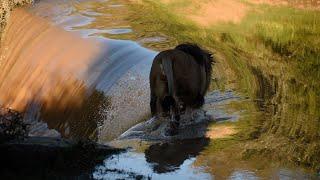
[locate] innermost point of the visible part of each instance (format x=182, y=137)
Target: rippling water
x=81, y=71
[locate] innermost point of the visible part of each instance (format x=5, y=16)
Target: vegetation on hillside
x=272, y=56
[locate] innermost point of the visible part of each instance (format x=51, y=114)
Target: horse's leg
x=199, y=101
x=177, y=111
x=159, y=108
x=177, y=115
x=153, y=104
x=174, y=119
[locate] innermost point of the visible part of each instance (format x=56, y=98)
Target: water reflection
x=189, y=159
x=243, y=174
x=172, y=160
x=168, y=157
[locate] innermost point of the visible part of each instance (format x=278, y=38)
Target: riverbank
x=267, y=53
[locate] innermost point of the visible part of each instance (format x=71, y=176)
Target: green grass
x=274, y=55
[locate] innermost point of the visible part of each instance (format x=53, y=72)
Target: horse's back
x=179, y=59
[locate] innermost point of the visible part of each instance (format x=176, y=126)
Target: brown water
x=58, y=55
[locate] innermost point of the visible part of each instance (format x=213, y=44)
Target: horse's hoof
x=171, y=132
x=173, y=129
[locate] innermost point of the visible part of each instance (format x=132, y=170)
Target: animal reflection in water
x=179, y=79
x=160, y=155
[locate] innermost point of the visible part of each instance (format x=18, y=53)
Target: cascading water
x=46, y=70
x=38, y=59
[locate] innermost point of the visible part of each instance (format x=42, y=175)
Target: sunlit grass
x=273, y=54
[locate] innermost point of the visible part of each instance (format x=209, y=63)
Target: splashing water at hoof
x=193, y=124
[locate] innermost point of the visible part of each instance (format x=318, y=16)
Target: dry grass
x=209, y=12
x=301, y=4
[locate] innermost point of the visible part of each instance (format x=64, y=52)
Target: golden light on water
x=42, y=63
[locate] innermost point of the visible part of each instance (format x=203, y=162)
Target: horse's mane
x=203, y=57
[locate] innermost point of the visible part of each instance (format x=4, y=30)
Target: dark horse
x=179, y=78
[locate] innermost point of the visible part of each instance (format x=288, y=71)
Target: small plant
x=12, y=125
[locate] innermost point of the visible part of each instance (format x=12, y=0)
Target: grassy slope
x=274, y=55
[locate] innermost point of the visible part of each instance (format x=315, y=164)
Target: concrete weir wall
x=5, y=8
x=32, y=68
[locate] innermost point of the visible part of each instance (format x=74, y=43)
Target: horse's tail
x=169, y=101
x=168, y=72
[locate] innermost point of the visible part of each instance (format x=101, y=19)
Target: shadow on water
x=80, y=122
x=168, y=157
